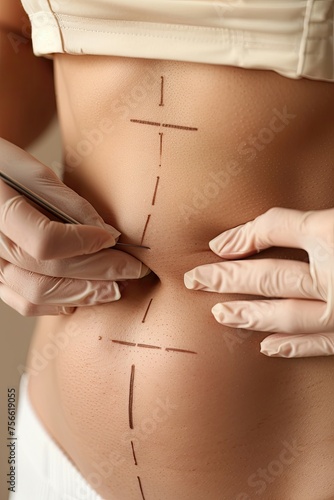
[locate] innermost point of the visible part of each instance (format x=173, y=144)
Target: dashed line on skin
x=161, y=134
x=123, y=342
x=178, y=126
x=146, y=224
x=162, y=92
x=132, y=378
x=133, y=452
x=157, y=124
x=143, y=345
x=149, y=346
x=145, y=122
x=149, y=305
x=155, y=190
x=141, y=488
x=180, y=350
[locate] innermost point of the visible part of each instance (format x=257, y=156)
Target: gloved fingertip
x=214, y=245
x=109, y=241
x=189, y=280
x=67, y=310
x=268, y=351
x=276, y=349
x=116, y=234
x=217, y=311
x=117, y=292
x=145, y=271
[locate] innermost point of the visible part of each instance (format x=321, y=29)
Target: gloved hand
x=304, y=312
x=48, y=267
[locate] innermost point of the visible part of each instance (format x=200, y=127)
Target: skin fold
x=150, y=395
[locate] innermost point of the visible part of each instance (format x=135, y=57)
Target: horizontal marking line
x=149, y=346
x=146, y=122
x=157, y=124
x=180, y=350
x=123, y=342
x=178, y=126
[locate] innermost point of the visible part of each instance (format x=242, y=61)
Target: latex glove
x=48, y=267
x=304, y=312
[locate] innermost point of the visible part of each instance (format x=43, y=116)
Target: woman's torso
x=223, y=145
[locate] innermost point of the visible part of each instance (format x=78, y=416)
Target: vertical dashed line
x=149, y=305
x=141, y=488
x=155, y=190
x=146, y=224
x=133, y=452
x=162, y=92
x=132, y=377
x=161, y=134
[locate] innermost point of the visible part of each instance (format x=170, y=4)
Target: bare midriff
x=149, y=396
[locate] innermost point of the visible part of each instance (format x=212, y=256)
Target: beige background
x=15, y=329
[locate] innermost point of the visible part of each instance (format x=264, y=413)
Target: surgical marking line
x=179, y=126
x=146, y=122
x=180, y=350
x=162, y=91
x=147, y=221
x=155, y=190
x=149, y=346
x=132, y=377
x=161, y=134
x=149, y=305
x=141, y=488
x=123, y=342
x=157, y=124
x=133, y=452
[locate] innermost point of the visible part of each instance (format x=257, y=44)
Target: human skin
x=215, y=422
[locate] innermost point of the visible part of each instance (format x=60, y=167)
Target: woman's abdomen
x=152, y=387
x=150, y=396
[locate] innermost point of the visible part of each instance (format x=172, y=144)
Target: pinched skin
x=150, y=397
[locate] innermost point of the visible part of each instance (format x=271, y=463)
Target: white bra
x=292, y=37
